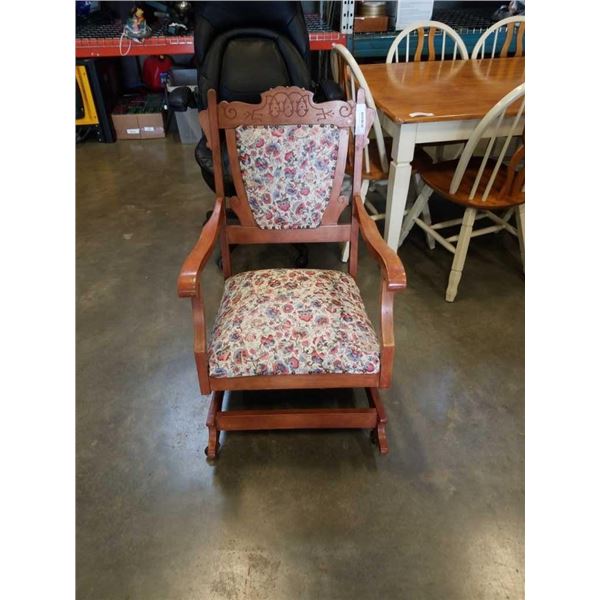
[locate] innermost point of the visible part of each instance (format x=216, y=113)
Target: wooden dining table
x=431, y=102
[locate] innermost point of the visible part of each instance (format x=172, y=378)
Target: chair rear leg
x=460, y=255
x=419, y=185
x=521, y=231
x=213, y=433
x=505, y=217
x=418, y=181
x=416, y=209
x=427, y=219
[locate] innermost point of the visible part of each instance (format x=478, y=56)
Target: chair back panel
x=501, y=127
x=287, y=157
x=412, y=40
x=514, y=34
x=287, y=172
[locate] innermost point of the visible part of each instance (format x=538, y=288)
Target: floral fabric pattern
x=288, y=172
x=292, y=321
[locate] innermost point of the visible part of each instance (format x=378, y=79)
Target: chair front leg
x=521, y=231
x=200, y=349
x=460, y=255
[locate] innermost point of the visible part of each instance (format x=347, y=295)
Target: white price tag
x=361, y=119
x=148, y=128
x=132, y=131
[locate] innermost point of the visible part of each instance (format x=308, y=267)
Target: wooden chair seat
x=438, y=177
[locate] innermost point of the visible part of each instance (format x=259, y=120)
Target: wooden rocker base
x=373, y=418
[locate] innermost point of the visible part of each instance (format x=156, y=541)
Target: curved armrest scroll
x=389, y=262
x=189, y=276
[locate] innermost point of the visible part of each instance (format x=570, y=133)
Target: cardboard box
x=370, y=24
x=139, y=117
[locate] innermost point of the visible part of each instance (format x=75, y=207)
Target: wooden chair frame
x=511, y=23
x=419, y=27
x=290, y=106
x=504, y=121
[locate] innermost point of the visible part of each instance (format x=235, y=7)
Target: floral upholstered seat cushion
x=288, y=172
x=292, y=321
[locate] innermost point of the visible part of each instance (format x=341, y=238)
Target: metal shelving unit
x=103, y=39
x=469, y=22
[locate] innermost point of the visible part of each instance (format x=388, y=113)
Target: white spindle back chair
x=350, y=78
x=483, y=185
x=409, y=43
x=348, y=75
x=515, y=27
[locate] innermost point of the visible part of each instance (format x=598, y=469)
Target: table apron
x=449, y=131
x=445, y=131
x=439, y=131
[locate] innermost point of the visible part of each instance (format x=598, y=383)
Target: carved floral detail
x=287, y=103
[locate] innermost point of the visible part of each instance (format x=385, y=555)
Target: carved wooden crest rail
x=294, y=106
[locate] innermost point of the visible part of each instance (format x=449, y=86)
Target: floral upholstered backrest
x=287, y=157
x=288, y=172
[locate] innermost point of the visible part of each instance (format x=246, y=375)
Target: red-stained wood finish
x=291, y=106
x=307, y=418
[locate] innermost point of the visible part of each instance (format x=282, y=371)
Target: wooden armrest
x=189, y=276
x=389, y=262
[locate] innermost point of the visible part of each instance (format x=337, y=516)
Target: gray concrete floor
x=286, y=515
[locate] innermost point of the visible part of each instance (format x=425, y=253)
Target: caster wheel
x=216, y=451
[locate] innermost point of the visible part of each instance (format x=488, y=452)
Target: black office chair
x=241, y=50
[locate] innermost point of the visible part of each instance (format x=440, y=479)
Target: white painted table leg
x=403, y=151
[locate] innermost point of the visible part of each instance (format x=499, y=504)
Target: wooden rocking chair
x=291, y=328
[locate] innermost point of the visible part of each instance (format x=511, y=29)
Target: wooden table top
x=451, y=90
